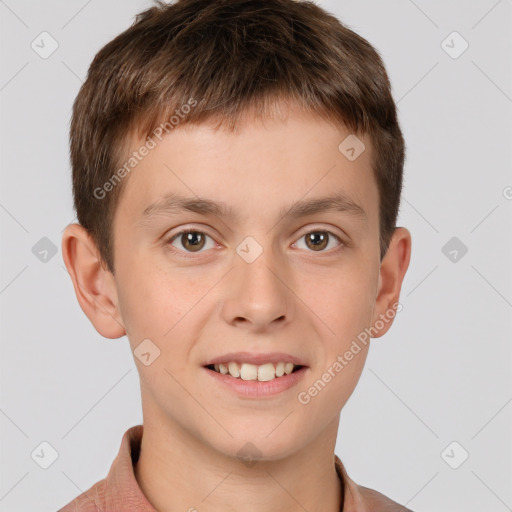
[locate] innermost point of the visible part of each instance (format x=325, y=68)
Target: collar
x=120, y=491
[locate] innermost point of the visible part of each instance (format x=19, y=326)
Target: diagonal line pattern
x=111, y=388
x=76, y=14
x=404, y=506
x=280, y=423
x=417, y=83
x=14, y=76
x=13, y=423
x=424, y=14
x=494, y=288
x=492, y=81
x=506, y=403
x=14, y=218
x=422, y=280
x=13, y=279
x=79, y=77
x=13, y=13
x=508, y=507
x=421, y=215
x=14, y=486
x=92, y=500
x=497, y=206
x=410, y=409
x=485, y=15
x=70, y=222
x=217, y=486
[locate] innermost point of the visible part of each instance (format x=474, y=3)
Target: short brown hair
x=230, y=56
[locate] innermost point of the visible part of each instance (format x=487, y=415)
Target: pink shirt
x=120, y=492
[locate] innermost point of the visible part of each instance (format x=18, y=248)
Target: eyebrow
x=175, y=203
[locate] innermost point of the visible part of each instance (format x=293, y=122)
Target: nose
x=257, y=297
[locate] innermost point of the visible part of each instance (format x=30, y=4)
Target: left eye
x=195, y=241
x=319, y=240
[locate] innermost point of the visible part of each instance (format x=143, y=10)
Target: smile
x=262, y=373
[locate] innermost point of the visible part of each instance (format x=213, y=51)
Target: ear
x=392, y=271
x=95, y=286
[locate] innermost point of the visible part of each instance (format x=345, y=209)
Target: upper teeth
x=247, y=371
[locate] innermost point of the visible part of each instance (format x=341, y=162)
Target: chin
x=259, y=443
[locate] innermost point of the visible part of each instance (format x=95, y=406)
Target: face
x=260, y=268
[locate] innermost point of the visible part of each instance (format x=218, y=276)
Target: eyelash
x=168, y=241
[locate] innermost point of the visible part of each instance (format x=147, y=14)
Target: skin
x=293, y=298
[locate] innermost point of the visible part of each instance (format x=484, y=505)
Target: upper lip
x=257, y=359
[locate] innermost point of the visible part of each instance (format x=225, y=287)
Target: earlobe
x=392, y=272
x=94, y=285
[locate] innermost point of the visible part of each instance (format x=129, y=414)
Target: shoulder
x=377, y=502
x=119, y=491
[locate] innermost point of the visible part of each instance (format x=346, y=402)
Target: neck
x=177, y=471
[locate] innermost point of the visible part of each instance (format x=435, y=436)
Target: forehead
x=258, y=169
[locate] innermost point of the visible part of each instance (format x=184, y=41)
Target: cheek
x=326, y=393
x=166, y=307
x=151, y=303
x=343, y=301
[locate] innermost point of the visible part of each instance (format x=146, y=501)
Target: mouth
x=255, y=372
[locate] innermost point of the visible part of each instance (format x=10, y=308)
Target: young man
x=237, y=170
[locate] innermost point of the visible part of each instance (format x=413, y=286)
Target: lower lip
x=257, y=389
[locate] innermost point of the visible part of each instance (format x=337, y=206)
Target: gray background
x=441, y=374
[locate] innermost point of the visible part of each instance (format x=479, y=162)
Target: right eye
x=191, y=240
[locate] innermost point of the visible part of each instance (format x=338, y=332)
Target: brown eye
x=317, y=241
x=191, y=241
